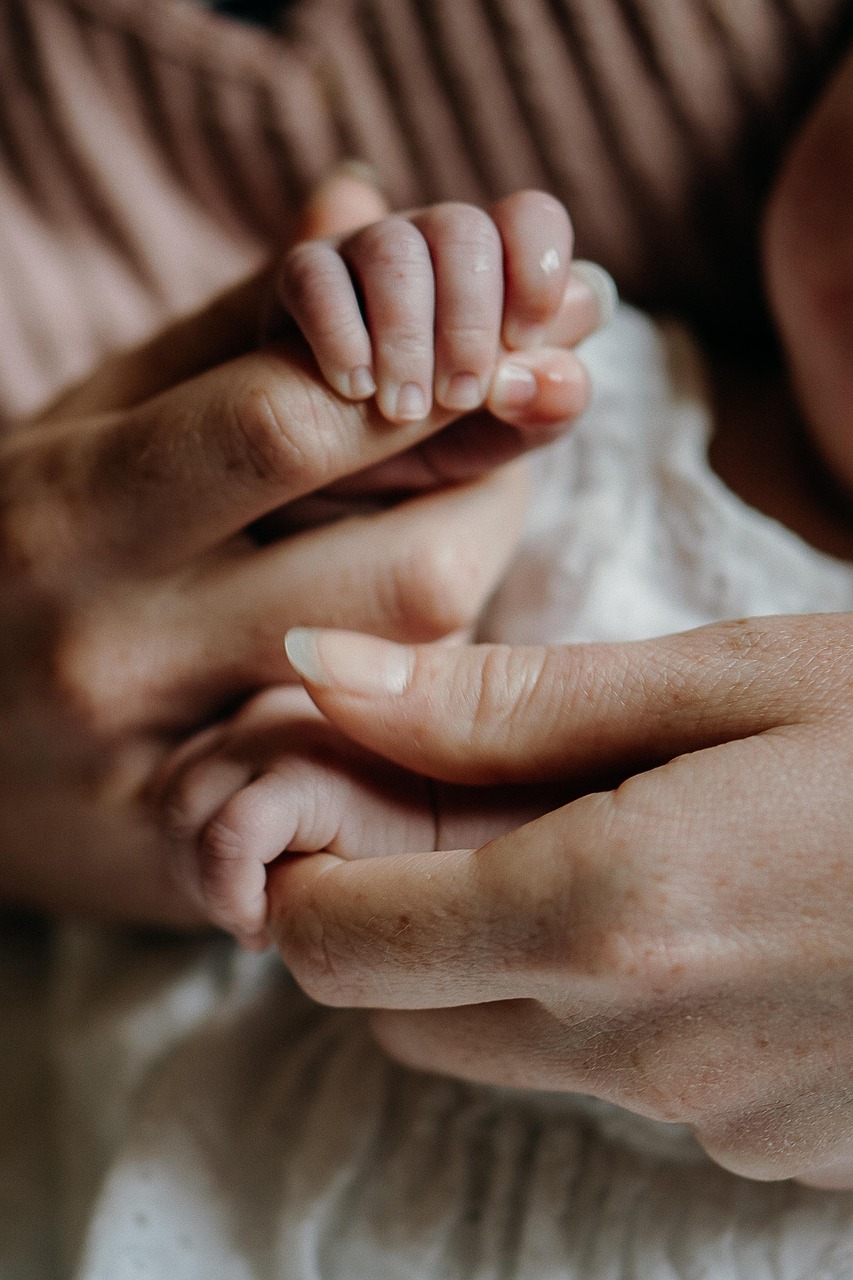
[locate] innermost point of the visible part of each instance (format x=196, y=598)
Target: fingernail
x=361, y=383
x=411, y=403
x=601, y=285
x=349, y=661
x=462, y=391
x=514, y=387
x=361, y=170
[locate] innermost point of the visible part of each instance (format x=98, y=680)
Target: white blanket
x=211, y=1123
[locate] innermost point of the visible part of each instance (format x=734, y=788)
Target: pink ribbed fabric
x=151, y=152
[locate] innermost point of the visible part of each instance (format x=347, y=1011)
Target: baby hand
x=419, y=306
x=278, y=778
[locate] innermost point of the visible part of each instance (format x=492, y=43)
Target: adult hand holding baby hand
x=681, y=945
x=135, y=605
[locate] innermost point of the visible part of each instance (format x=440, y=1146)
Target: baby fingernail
x=361, y=383
x=462, y=391
x=515, y=386
x=600, y=285
x=348, y=661
x=411, y=403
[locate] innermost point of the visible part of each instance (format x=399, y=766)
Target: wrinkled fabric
x=212, y=1123
x=153, y=152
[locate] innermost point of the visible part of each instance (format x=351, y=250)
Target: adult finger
x=510, y=1043
x=421, y=931
x=348, y=198
x=420, y=570
x=195, y=465
x=539, y=399
x=212, y=633
x=637, y=903
x=487, y=713
x=589, y=304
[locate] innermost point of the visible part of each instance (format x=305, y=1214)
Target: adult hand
x=681, y=945
x=133, y=604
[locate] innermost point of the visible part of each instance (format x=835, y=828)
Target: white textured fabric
x=216, y=1125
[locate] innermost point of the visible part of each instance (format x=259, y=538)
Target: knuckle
x=100, y=677
x=262, y=439
x=394, y=245
x=473, y=344
x=756, y=1143
x=467, y=230
x=434, y=591
x=405, y=346
x=631, y=923
x=508, y=693
x=222, y=845
x=318, y=959
x=306, y=268
x=266, y=443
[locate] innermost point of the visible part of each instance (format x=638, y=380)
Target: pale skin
x=679, y=943
x=135, y=605
x=446, y=292
x=416, y=308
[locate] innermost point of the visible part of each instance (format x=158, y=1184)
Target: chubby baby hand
x=417, y=308
x=278, y=779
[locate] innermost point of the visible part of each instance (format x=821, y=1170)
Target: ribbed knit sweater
x=151, y=151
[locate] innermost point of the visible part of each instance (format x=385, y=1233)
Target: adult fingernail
x=360, y=170
x=600, y=286
x=349, y=661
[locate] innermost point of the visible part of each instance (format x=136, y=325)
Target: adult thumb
x=495, y=713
